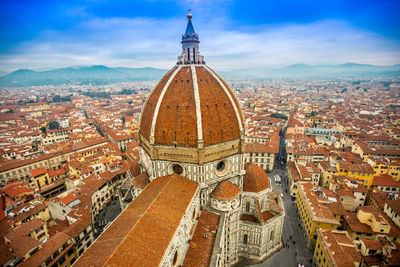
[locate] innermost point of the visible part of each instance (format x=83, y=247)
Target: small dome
x=225, y=191
x=255, y=179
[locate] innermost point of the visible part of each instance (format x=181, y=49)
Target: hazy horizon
x=166, y=69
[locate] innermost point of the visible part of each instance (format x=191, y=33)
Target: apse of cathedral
x=196, y=202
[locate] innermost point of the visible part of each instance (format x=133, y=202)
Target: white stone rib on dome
x=197, y=103
x=153, y=122
x=229, y=96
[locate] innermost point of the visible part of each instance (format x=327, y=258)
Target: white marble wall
x=179, y=242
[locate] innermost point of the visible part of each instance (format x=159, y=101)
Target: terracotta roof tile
x=16, y=189
x=262, y=148
x=20, y=240
x=385, y=180
x=141, y=181
x=225, y=190
x=57, y=172
x=372, y=244
x=255, y=179
x=218, y=116
x=341, y=248
x=202, y=243
x=149, y=108
x=68, y=199
x=177, y=118
x=176, y=121
x=47, y=250
x=142, y=232
x=38, y=171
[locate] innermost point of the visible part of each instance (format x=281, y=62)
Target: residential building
x=314, y=212
x=336, y=248
x=361, y=172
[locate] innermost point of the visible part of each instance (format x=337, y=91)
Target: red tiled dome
x=255, y=179
x=191, y=103
x=225, y=191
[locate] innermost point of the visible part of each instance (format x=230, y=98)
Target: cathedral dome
x=255, y=180
x=225, y=191
x=191, y=106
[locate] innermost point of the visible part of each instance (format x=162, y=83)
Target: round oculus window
x=178, y=169
x=222, y=167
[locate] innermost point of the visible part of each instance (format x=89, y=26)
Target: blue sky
x=233, y=34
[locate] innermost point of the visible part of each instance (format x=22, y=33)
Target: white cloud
x=143, y=42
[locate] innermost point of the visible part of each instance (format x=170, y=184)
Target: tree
x=279, y=116
x=54, y=125
x=43, y=129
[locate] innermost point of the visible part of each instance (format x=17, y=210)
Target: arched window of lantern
x=248, y=206
x=245, y=239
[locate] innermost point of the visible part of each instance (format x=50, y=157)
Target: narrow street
x=295, y=249
x=107, y=215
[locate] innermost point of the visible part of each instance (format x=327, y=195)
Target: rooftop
x=202, y=243
x=255, y=180
x=225, y=190
x=145, y=227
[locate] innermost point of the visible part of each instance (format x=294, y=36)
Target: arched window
x=175, y=259
x=245, y=239
x=247, y=206
x=194, y=214
x=194, y=55
x=271, y=235
x=188, y=54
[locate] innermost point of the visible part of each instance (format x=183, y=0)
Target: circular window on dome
x=176, y=168
x=222, y=167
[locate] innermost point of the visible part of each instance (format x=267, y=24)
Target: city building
x=264, y=155
x=314, y=211
x=369, y=222
x=362, y=172
x=336, y=248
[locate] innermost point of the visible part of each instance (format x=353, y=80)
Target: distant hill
x=100, y=74
x=80, y=75
x=348, y=70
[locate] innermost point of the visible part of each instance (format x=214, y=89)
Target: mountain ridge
x=101, y=74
